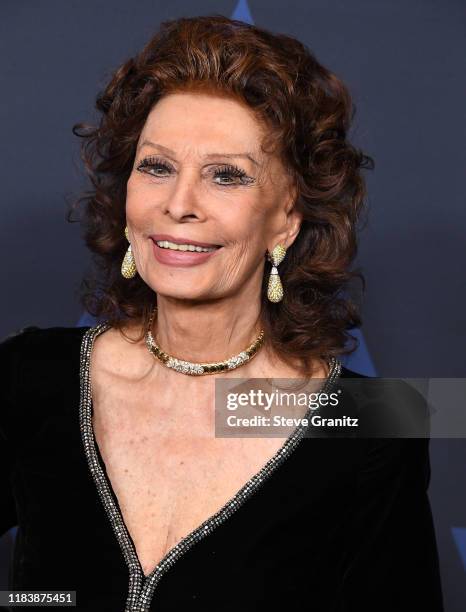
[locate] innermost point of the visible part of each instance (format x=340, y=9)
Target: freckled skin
x=247, y=216
x=188, y=194
x=155, y=428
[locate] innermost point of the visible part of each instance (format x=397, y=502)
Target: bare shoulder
x=118, y=352
x=273, y=366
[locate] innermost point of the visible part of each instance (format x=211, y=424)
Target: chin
x=184, y=293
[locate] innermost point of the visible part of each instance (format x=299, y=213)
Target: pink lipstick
x=169, y=256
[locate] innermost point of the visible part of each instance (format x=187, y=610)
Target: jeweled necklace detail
x=200, y=369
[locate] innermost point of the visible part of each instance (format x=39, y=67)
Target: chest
x=169, y=473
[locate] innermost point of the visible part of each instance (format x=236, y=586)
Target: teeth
x=165, y=244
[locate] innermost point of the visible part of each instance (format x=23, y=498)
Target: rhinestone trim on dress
x=141, y=588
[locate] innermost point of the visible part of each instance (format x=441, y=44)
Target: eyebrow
x=169, y=152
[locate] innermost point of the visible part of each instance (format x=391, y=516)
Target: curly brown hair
x=308, y=111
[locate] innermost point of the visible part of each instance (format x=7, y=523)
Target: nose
x=183, y=203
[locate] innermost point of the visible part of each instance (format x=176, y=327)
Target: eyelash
x=226, y=170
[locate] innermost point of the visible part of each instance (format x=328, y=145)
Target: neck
x=205, y=331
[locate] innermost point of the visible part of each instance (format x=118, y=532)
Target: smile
x=183, y=255
x=165, y=244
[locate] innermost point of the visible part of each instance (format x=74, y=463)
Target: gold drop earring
x=275, y=287
x=128, y=266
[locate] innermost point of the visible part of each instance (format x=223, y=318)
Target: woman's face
x=199, y=177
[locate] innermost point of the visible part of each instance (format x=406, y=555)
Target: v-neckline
x=141, y=586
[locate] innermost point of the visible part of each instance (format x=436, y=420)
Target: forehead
x=206, y=120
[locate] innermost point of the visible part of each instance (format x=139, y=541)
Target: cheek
x=139, y=216
x=137, y=198
x=131, y=197
x=243, y=213
x=247, y=227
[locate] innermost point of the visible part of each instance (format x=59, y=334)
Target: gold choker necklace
x=199, y=369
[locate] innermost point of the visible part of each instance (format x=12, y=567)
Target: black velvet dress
x=330, y=525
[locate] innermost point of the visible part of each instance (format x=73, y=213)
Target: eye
x=153, y=163
x=232, y=173
x=228, y=175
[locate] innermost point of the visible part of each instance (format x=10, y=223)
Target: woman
x=223, y=218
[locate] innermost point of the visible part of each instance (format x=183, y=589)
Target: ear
x=292, y=223
x=294, y=219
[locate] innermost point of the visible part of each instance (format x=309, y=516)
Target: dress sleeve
x=10, y=351
x=392, y=561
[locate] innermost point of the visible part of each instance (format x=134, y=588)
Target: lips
x=183, y=240
x=184, y=258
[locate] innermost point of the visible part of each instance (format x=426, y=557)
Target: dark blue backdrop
x=404, y=62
